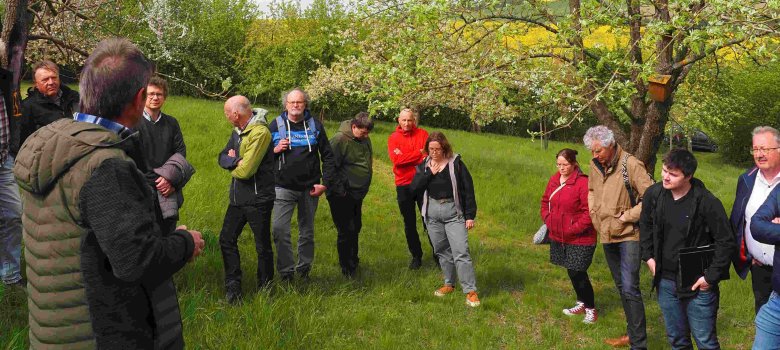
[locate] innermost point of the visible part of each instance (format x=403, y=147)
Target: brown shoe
x=618, y=342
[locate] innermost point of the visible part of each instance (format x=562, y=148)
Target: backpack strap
x=626, y=182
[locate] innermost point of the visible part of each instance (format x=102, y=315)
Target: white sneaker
x=590, y=316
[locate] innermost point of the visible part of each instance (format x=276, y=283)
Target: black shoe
x=304, y=275
x=415, y=264
x=20, y=284
x=233, y=293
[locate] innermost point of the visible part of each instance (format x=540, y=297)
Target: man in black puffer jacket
x=48, y=101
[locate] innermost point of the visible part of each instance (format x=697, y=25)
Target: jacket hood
x=346, y=129
x=258, y=118
x=55, y=148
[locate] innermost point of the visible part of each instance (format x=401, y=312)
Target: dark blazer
x=742, y=258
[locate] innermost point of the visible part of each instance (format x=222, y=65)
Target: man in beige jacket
x=616, y=184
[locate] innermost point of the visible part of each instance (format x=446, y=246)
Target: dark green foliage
x=733, y=103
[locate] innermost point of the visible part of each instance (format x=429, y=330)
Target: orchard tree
x=596, y=55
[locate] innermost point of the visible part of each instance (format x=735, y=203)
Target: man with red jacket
x=405, y=147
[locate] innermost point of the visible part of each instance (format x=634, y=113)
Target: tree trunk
x=14, y=38
x=651, y=135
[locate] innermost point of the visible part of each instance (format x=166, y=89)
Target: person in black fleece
x=47, y=101
x=678, y=213
x=300, y=142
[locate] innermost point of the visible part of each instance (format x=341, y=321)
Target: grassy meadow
x=387, y=306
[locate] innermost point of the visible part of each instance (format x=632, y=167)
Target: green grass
x=388, y=306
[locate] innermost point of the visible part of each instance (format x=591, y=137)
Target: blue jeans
x=623, y=259
x=10, y=224
x=768, y=325
x=695, y=315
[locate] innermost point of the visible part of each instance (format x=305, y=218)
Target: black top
x=160, y=141
x=440, y=186
x=676, y=223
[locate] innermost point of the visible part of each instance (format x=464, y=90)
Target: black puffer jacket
x=39, y=110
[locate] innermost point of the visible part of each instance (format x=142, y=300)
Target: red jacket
x=410, y=144
x=566, y=215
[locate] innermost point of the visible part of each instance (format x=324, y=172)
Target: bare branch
x=60, y=43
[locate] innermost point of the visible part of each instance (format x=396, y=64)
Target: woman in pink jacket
x=572, y=237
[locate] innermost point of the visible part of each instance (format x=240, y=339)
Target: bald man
x=249, y=157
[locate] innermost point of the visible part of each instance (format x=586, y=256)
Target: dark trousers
x=623, y=259
x=347, y=213
x=761, y=277
x=259, y=219
x=582, y=286
x=406, y=203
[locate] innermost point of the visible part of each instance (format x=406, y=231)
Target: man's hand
x=776, y=221
x=200, y=244
x=284, y=144
x=701, y=284
x=397, y=151
x=317, y=190
x=622, y=217
x=232, y=153
x=164, y=186
x=469, y=224
x=651, y=266
x=756, y=262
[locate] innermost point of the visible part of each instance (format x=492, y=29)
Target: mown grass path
x=387, y=306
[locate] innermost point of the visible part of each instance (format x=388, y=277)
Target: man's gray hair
x=112, y=76
x=599, y=133
x=767, y=129
x=287, y=93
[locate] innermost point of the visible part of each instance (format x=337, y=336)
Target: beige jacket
x=608, y=197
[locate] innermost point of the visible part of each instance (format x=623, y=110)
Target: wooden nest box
x=660, y=87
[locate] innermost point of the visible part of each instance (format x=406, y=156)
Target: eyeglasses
x=154, y=94
x=296, y=102
x=755, y=151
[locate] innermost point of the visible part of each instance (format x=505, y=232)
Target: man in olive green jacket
x=616, y=184
x=98, y=266
x=352, y=153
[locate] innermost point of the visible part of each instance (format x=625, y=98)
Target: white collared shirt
x=149, y=117
x=764, y=253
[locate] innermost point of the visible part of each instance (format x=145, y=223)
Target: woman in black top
x=449, y=209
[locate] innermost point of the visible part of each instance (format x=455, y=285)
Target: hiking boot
x=444, y=290
x=415, y=264
x=590, y=316
x=577, y=309
x=233, y=293
x=472, y=299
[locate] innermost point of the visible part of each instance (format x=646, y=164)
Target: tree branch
x=59, y=43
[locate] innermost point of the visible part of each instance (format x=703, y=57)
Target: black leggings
x=582, y=286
